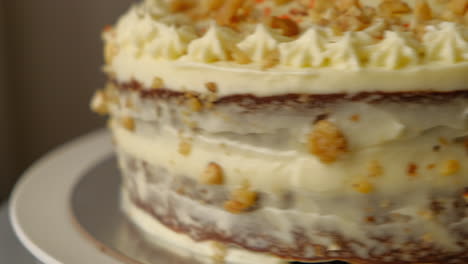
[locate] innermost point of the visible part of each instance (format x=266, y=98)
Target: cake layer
x=204, y=252
x=273, y=48
x=373, y=233
x=410, y=144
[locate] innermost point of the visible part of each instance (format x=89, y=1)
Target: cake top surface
x=300, y=36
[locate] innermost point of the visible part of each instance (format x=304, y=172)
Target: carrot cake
x=294, y=131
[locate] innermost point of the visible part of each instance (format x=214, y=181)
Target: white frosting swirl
x=394, y=52
x=171, y=42
x=446, y=44
x=213, y=46
x=152, y=44
x=344, y=54
x=307, y=51
x=261, y=43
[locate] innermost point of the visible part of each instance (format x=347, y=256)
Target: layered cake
x=293, y=131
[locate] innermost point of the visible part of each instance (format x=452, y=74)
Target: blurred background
x=50, y=59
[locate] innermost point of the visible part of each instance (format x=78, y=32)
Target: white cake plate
x=65, y=210
x=40, y=204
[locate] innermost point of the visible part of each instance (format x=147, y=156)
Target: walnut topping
x=443, y=141
x=321, y=5
x=465, y=195
x=375, y=169
x=282, y=2
x=212, y=175
x=355, y=118
x=99, y=103
x=271, y=60
x=241, y=200
x=110, y=51
x=158, y=83
x=128, y=123
x=194, y=104
x=181, y=5
x=344, y=5
x=108, y=28
x=211, y=5
x=412, y=170
x=227, y=13
x=449, y=167
x=427, y=214
x=422, y=11
x=364, y=187
x=427, y=238
x=389, y=8
x=288, y=26
x=459, y=7
x=185, y=148
x=240, y=56
x=212, y=87
x=220, y=252
x=327, y=142
x=370, y=219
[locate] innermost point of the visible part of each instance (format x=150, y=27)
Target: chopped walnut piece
x=288, y=26
x=423, y=11
x=181, y=5
x=219, y=252
x=449, y=167
x=412, y=170
x=128, y=123
x=212, y=175
x=375, y=169
x=212, y=87
x=110, y=51
x=355, y=118
x=427, y=238
x=227, y=13
x=344, y=5
x=282, y=2
x=327, y=142
x=443, y=141
x=459, y=7
x=349, y=23
x=185, y=148
x=320, y=251
x=390, y=8
x=194, y=104
x=158, y=83
x=364, y=187
x=210, y=5
x=429, y=215
x=321, y=5
x=241, y=200
x=240, y=57
x=108, y=28
x=99, y=103
x=271, y=60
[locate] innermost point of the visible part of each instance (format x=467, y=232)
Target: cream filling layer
x=247, y=79
x=277, y=171
x=205, y=252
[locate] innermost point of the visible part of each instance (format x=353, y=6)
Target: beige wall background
x=52, y=58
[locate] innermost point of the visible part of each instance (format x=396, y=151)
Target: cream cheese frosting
x=152, y=44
